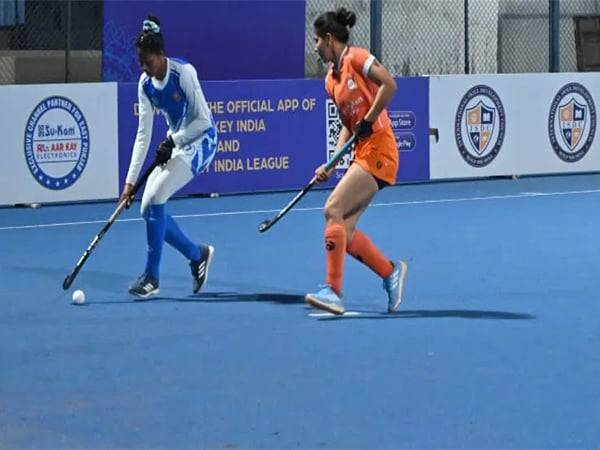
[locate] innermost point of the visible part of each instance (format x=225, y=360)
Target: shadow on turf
x=225, y=297
x=434, y=314
x=215, y=297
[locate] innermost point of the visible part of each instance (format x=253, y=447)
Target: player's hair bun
x=151, y=25
x=150, y=38
x=345, y=17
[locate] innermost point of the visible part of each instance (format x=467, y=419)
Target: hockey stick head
x=68, y=281
x=265, y=225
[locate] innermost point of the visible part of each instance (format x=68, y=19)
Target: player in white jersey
x=171, y=86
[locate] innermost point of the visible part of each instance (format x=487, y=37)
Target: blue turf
x=496, y=344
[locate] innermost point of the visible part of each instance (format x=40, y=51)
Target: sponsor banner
x=267, y=134
x=273, y=134
x=521, y=124
x=60, y=144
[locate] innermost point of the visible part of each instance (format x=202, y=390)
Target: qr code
x=334, y=127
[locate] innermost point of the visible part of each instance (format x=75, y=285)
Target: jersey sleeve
x=362, y=61
x=143, y=136
x=198, y=113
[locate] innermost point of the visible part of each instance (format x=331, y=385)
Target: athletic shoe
x=200, y=268
x=393, y=285
x=145, y=286
x=327, y=300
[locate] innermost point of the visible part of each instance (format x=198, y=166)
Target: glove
x=163, y=153
x=364, y=129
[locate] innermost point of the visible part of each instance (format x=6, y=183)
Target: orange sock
x=335, y=245
x=365, y=251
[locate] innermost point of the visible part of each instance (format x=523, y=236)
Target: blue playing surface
x=496, y=344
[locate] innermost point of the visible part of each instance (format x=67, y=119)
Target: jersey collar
x=159, y=84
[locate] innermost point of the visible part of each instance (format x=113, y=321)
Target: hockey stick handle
x=335, y=159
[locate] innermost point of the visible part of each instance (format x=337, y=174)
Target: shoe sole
x=144, y=296
x=403, y=272
x=211, y=252
x=312, y=301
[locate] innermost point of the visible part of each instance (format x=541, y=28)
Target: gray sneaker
x=394, y=284
x=326, y=299
x=200, y=268
x=144, y=286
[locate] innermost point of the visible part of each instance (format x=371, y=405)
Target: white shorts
x=199, y=154
x=184, y=165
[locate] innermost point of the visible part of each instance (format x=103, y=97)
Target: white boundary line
x=330, y=315
x=265, y=211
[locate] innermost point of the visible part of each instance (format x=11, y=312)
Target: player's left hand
x=363, y=129
x=321, y=174
x=126, y=194
x=164, y=151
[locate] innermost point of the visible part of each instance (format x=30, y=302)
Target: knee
x=145, y=208
x=332, y=212
x=151, y=209
x=350, y=229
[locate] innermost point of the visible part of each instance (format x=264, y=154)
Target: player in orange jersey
x=361, y=88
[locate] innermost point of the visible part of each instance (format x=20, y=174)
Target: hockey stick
x=268, y=223
x=69, y=278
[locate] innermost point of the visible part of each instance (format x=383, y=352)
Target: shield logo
x=572, y=122
x=480, y=126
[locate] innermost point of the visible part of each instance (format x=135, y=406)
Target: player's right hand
x=126, y=194
x=321, y=174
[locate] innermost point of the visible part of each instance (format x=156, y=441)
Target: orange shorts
x=378, y=155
